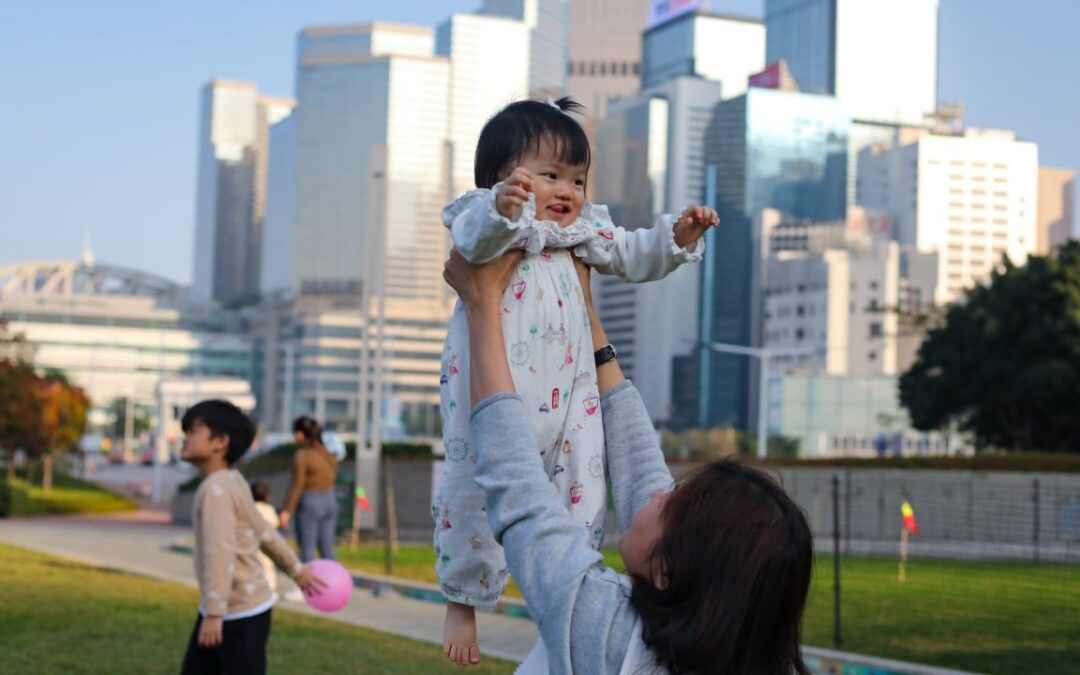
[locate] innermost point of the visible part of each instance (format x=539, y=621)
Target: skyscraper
x=649, y=162
x=605, y=50
x=1055, y=208
x=277, y=239
x=718, y=47
x=371, y=157
x=488, y=59
x=970, y=198
x=231, y=189
x=787, y=150
x=879, y=57
x=549, y=40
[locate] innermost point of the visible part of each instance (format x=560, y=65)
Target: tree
x=1005, y=364
x=39, y=414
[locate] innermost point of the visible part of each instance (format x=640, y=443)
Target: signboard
x=662, y=11
x=768, y=78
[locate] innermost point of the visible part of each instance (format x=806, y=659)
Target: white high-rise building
x=231, y=187
x=549, y=40
x=648, y=162
x=718, y=47
x=371, y=157
x=971, y=198
x=879, y=57
x=488, y=60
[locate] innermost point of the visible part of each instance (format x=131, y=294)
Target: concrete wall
x=961, y=514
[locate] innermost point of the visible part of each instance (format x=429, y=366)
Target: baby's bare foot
x=459, y=635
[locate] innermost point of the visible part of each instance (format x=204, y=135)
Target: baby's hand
x=692, y=224
x=513, y=193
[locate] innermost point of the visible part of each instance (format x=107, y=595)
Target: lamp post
x=763, y=355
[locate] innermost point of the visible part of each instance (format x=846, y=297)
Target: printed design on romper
x=474, y=541
x=575, y=493
x=555, y=398
x=596, y=467
x=452, y=368
x=566, y=447
x=583, y=378
x=446, y=523
x=566, y=284
x=553, y=337
x=457, y=449
x=568, y=360
x=518, y=287
x=519, y=354
x=485, y=578
x=592, y=404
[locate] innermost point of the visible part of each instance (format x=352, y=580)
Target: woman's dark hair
x=223, y=419
x=307, y=426
x=260, y=491
x=521, y=128
x=736, y=554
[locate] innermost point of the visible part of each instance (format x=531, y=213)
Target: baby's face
x=559, y=187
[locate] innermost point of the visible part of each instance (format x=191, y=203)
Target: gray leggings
x=316, y=518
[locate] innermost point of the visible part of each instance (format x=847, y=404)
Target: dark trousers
x=316, y=520
x=242, y=650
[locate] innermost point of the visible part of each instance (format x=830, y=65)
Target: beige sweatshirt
x=229, y=533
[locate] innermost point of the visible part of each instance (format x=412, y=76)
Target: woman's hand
x=283, y=520
x=480, y=286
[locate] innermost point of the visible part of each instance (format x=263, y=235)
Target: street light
x=763, y=355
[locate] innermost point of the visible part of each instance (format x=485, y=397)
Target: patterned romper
x=549, y=346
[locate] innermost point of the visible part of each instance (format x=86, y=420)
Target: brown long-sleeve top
x=314, y=470
x=229, y=533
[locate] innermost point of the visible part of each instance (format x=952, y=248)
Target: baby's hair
x=260, y=491
x=521, y=128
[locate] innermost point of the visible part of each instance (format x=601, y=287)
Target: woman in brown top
x=311, y=493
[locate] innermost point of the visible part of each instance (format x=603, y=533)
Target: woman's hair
x=521, y=128
x=307, y=426
x=736, y=556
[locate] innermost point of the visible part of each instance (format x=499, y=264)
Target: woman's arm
x=296, y=486
x=635, y=464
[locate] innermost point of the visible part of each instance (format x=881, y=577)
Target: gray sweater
x=581, y=608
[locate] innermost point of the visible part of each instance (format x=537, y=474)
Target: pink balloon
x=338, y=590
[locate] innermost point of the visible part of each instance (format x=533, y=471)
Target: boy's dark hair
x=260, y=491
x=736, y=555
x=520, y=128
x=223, y=419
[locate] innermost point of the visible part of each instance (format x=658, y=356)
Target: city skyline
x=127, y=175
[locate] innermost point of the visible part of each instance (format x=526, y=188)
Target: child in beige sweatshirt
x=235, y=599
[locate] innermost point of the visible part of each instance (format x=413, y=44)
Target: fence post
x=390, y=516
x=837, y=639
x=1035, y=524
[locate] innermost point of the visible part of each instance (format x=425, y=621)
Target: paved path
x=139, y=543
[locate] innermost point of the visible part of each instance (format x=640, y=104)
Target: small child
x=260, y=492
x=235, y=599
x=532, y=161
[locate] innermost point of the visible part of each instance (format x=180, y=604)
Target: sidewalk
x=140, y=543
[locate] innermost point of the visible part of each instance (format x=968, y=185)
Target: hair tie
x=551, y=102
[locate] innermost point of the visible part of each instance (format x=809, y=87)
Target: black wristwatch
x=604, y=354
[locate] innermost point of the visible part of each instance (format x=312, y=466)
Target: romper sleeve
x=481, y=234
x=646, y=254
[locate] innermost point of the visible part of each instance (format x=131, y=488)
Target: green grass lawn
x=984, y=617
x=68, y=495
x=66, y=618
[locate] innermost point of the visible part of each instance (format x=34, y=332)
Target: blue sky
x=99, y=116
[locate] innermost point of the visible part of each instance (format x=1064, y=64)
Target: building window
x=872, y=356
x=875, y=329
x=799, y=333
x=637, y=68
